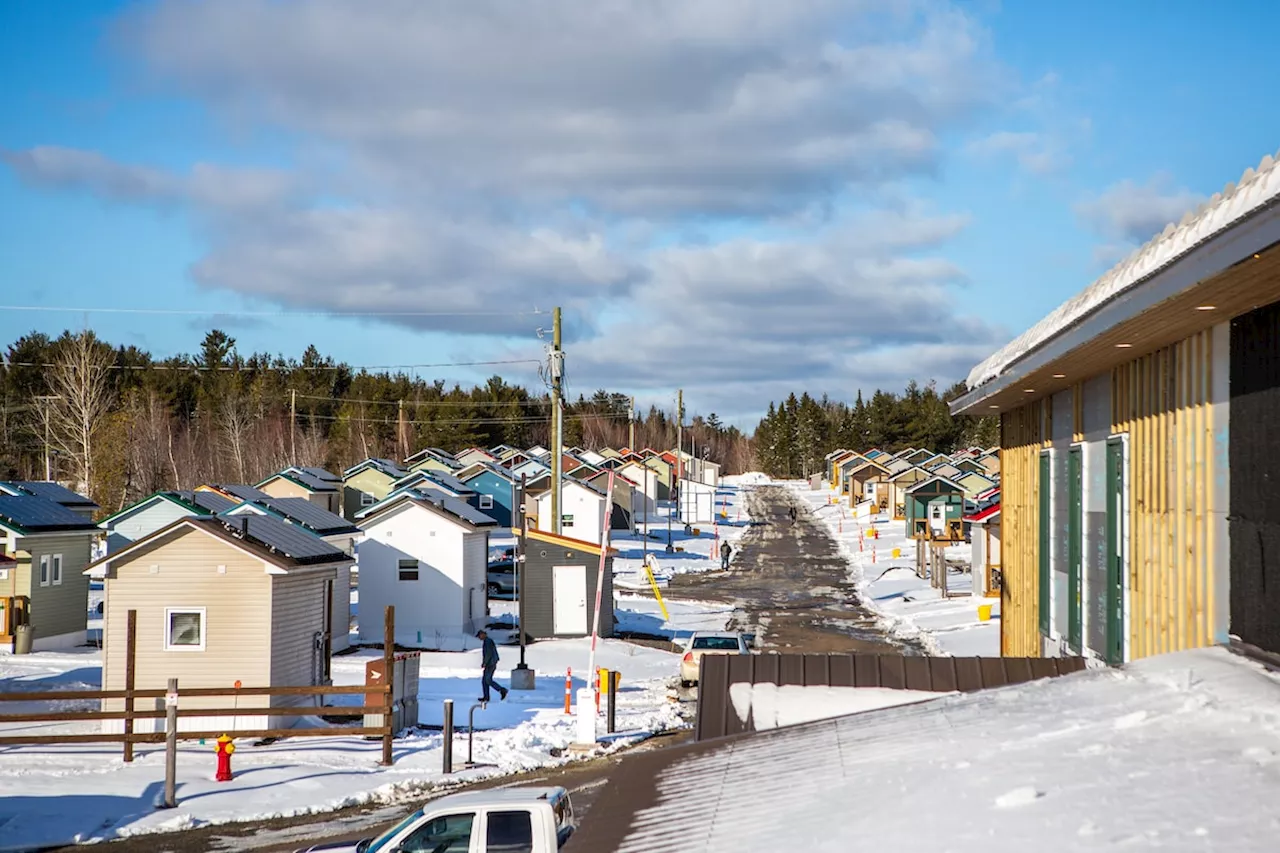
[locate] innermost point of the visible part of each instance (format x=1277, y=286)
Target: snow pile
x=888, y=585
x=769, y=706
x=751, y=478
x=53, y=795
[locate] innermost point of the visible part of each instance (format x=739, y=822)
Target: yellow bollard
x=897, y=552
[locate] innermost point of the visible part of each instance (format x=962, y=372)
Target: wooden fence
x=129, y=713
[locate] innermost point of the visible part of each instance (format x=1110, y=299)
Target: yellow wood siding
x=1022, y=433
x=1164, y=402
x=237, y=621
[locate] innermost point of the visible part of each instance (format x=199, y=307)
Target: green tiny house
x=935, y=510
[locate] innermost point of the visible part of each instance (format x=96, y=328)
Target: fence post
x=448, y=736
x=614, y=678
x=389, y=662
x=171, y=745
x=130, y=654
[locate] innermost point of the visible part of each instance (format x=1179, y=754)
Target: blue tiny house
x=493, y=489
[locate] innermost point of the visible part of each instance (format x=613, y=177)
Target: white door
x=569, y=588
x=937, y=518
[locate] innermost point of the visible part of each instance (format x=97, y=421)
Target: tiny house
x=559, y=583
x=935, y=510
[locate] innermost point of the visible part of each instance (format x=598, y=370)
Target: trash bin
x=22, y=637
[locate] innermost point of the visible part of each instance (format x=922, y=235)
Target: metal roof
x=436, y=499
x=386, y=466
x=308, y=481
x=304, y=512
x=41, y=515
x=54, y=492
x=213, y=502
x=1256, y=190
x=322, y=474
x=449, y=481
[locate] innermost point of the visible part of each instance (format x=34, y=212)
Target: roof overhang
x=1223, y=276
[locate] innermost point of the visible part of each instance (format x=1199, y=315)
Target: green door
x=1046, y=490
x=1075, y=547
x=1115, y=551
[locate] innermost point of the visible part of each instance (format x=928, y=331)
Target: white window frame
x=169, y=613
x=486, y=502
x=44, y=570
x=55, y=572
x=401, y=569
x=367, y=499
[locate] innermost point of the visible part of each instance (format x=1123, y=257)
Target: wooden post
x=171, y=745
x=389, y=663
x=130, y=655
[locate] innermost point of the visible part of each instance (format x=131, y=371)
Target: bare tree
x=150, y=437
x=235, y=421
x=81, y=382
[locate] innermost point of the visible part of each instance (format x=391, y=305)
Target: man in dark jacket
x=489, y=660
x=726, y=551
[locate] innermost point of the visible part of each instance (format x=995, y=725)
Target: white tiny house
x=582, y=511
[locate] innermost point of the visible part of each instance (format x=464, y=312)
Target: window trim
x=367, y=500
x=55, y=572
x=483, y=504
x=44, y=570
x=401, y=569
x=169, y=613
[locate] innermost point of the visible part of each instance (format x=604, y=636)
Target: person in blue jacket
x=489, y=660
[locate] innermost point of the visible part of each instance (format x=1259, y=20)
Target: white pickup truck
x=498, y=820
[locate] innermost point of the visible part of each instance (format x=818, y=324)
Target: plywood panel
x=1022, y=433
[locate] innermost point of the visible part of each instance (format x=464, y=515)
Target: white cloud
x=1034, y=151
x=489, y=154
x=1132, y=212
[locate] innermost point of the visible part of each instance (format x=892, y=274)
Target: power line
x=477, y=403
x=391, y=421
x=246, y=368
x=188, y=312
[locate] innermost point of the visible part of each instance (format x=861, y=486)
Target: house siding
x=59, y=613
x=475, y=571
x=297, y=608
x=537, y=586
x=1172, y=406
x=370, y=481
x=238, y=612
x=145, y=521
x=489, y=483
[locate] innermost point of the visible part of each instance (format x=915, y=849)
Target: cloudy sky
x=737, y=197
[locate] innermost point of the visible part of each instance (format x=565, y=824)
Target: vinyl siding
x=160, y=513
x=297, y=616
x=62, y=609
x=475, y=569
x=238, y=609
x=537, y=586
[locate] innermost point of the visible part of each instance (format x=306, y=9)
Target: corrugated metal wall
x=1255, y=466
x=1021, y=439
x=1167, y=402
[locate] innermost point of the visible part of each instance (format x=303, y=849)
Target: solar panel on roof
x=449, y=482
x=287, y=539
x=453, y=506
x=212, y=501
x=321, y=474
x=36, y=513
x=245, y=493
x=305, y=512
x=311, y=481
x=54, y=492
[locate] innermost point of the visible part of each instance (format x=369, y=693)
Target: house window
x=44, y=570
x=366, y=499
x=57, y=569
x=486, y=501
x=408, y=570
x=184, y=629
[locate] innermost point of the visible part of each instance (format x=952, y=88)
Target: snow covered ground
x=60, y=794
x=693, y=553
x=909, y=606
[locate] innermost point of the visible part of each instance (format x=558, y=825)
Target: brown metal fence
x=717, y=717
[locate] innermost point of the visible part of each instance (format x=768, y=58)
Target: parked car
x=501, y=581
x=710, y=643
x=531, y=820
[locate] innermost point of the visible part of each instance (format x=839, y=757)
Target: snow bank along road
x=792, y=583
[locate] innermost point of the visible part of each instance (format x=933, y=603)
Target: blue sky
x=737, y=199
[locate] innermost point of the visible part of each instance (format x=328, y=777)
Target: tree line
x=795, y=435
x=120, y=424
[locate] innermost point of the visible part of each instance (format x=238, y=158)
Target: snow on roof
x=1255, y=191
x=1176, y=751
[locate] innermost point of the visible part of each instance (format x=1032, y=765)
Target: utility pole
x=402, y=440
x=557, y=422
x=631, y=431
x=293, y=426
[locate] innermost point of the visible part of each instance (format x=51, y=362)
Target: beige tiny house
x=220, y=601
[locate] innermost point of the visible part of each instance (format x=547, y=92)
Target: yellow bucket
x=984, y=612
x=897, y=552
x=697, y=531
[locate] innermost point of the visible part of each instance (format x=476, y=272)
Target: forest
x=122, y=424
x=795, y=435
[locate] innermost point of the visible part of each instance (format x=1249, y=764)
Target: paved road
x=788, y=579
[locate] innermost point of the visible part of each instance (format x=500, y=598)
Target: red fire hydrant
x=224, y=748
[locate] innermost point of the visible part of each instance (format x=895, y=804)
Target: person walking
x=489, y=660
x=792, y=512
x=726, y=550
